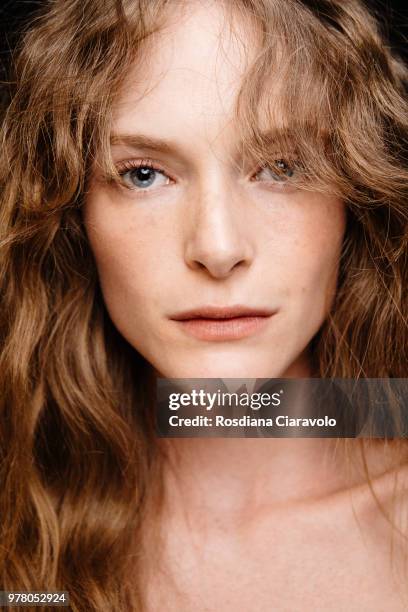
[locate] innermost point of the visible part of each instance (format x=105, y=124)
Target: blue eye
x=280, y=171
x=143, y=176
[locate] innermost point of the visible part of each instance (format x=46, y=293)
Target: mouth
x=214, y=323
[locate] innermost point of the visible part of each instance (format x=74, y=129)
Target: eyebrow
x=161, y=145
x=140, y=141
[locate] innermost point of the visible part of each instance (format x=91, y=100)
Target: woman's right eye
x=142, y=176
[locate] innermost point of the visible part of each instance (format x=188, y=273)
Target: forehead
x=187, y=74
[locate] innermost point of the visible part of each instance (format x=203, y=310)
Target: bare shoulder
x=345, y=551
x=337, y=554
x=371, y=525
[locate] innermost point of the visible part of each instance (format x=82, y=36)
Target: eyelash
x=130, y=165
x=281, y=177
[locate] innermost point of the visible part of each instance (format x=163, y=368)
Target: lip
x=219, y=323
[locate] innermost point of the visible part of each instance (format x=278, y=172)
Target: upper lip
x=222, y=312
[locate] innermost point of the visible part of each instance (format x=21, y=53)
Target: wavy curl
x=78, y=459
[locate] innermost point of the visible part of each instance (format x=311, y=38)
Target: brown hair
x=76, y=459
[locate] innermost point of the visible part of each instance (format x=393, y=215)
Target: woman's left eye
x=280, y=171
x=143, y=176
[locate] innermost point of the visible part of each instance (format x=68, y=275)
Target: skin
x=209, y=233
x=206, y=233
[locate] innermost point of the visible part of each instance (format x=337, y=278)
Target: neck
x=236, y=477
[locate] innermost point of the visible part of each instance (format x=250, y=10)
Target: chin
x=217, y=367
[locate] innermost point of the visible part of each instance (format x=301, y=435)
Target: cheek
x=313, y=258
x=128, y=255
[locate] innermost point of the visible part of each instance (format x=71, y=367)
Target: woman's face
x=197, y=227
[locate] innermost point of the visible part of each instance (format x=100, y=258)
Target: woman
x=199, y=189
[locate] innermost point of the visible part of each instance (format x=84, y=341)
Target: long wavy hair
x=79, y=463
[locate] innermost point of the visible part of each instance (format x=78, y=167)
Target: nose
x=219, y=236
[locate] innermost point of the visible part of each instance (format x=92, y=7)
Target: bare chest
x=284, y=566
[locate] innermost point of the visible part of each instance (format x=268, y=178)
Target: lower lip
x=224, y=329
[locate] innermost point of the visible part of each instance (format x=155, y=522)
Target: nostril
x=218, y=248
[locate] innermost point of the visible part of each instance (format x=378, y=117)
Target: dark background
x=14, y=14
